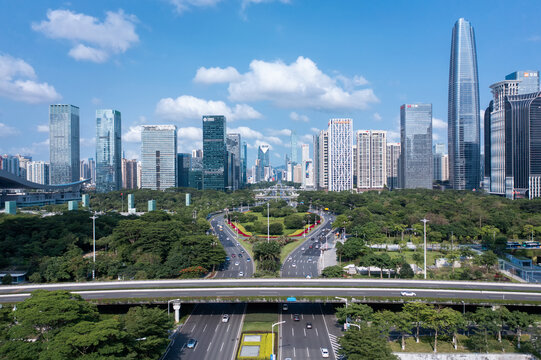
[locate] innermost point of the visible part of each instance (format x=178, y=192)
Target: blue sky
x=268, y=65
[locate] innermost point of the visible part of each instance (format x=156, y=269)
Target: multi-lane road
x=215, y=339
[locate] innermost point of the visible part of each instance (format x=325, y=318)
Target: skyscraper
x=263, y=155
x=108, y=151
x=416, y=165
x=184, y=164
x=294, y=159
x=323, y=160
x=243, y=164
x=517, y=83
x=463, y=109
x=371, y=161
x=233, y=148
x=38, y=172
x=64, y=143
x=214, y=153
x=129, y=174
x=159, y=156
x=393, y=154
x=441, y=163
x=340, y=154
x=523, y=146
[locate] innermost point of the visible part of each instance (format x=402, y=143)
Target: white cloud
x=377, y=117
x=299, y=84
x=184, y=5
x=246, y=132
x=246, y=3
x=187, y=107
x=307, y=138
x=43, y=128
x=17, y=82
x=316, y=130
x=393, y=136
x=89, y=142
x=296, y=117
x=114, y=35
x=258, y=143
x=278, y=155
x=534, y=38
x=435, y=136
x=216, y=75
x=96, y=101
x=439, y=123
x=133, y=134
x=190, y=133
x=6, y=130
x=36, y=148
x=281, y=132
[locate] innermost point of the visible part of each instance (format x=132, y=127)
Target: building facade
x=393, y=154
x=108, y=150
x=463, y=110
x=214, y=174
x=38, y=172
x=371, y=159
x=158, y=157
x=416, y=165
x=263, y=157
x=129, y=174
x=233, y=146
x=184, y=164
x=322, y=160
x=340, y=154
x=64, y=144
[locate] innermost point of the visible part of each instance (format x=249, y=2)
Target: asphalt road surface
x=296, y=341
x=236, y=253
x=303, y=261
x=215, y=339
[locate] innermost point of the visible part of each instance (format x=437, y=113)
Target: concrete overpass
x=277, y=290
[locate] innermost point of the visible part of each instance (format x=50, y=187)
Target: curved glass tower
x=463, y=110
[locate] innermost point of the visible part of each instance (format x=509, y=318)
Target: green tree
x=334, y=271
x=358, y=313
x=276, y=228
x=488, y=259
x=384, y=320
x=441, y=321
x=7, y=279
x=365, y=344
x=403, y=323
x=150, y=324
x=487, y=323
x=406, y=272
x=519, y=321
x=418, y=312
x=293, y=221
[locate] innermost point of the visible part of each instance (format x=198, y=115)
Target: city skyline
x=142, y=56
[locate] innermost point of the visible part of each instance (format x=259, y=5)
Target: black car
x=296, y=317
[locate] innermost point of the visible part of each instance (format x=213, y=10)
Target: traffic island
x=255, y=346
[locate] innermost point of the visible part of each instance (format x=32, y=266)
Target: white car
x=241, y=273
x=324, y=352
x=407, y=293
x=302, y=249
x=225, y=318
x=236, y=263
x=294, y=265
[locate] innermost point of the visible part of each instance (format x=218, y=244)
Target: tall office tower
x=263, y=155
x=340, y=154
x=233, y=147
x=323, y=160
x=393, y=154
x=523, y=146
x=445, y=167
x=23, y=163
x=355, y=165
x=139, y=174
x=463, y=110
x=517, y=83
x=108, y=150
x=38, y=172
x=305, y=152
x=184, y=164
x=308, y=174
x=11, y=164
x=129, y=174
x=92, y=169
x=197, y=153
x=243, y=164
x=159, y=156
x=84, y=170
x=315, y=158
x=214, y=153
x=64, y=143
x=438, y=154
x=416, y=165
x=371, y=166
x=289, y=171
x=294, y=159
x=297, y=173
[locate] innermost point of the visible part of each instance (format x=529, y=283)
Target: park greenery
x=485, y=330
x=60, y=325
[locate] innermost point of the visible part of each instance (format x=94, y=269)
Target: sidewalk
x=329, y=256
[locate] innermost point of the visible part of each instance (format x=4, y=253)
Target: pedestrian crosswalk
x=334, y=343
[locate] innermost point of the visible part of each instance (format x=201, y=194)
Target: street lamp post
x=304, y=226
x=272, y=331
x=346, y=300
x=424, y=236
x=94, y=217
x=268, y=223
x=237, y=226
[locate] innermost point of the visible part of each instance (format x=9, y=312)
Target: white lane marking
x=217, y=326
x=307, y=352
x=304, y=332
x=228, y=325
x=328, y=333
x=209, y=346
x=193, y=327
x=222, y=347
x=205, y=327
x=294, y=354
x=292, y=332
x=317, y=334
x=233, y=356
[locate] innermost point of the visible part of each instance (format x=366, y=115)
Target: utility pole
x=424, y=227
x=94, y=217
x=268, y=223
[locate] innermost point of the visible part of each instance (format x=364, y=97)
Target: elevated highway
x=276, y=289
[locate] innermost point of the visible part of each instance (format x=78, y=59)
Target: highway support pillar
x=176, y=307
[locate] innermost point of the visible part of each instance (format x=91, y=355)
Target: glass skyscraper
x=340, y=160
x=263, y=155
x=415, y=163
x=214, y=153
x=108, y=151
x=463, y=110
x=244, y=161
x=64, y=143
x=184, y=164
x=233, y=148
x=159, y=156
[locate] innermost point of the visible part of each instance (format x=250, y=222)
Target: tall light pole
x=272, y=331
x=237, y=226
x=268, y=223
x=94, y=217
x=346, y=300
x=424, y=236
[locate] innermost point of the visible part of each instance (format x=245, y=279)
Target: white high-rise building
x=340, y=154
x=372, y=159
x=305, y=151
x=393, y=154
x=38, y=172
x=159, y=156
